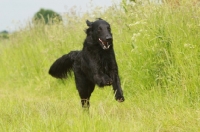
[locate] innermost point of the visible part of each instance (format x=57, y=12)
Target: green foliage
x=158, y=54
x=4, y=35
x=46, y=16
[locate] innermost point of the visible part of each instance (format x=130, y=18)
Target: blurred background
x=16, y=13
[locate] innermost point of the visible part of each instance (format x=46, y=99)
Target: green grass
x=158, y=54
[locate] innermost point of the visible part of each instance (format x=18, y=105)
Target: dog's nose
x=108, y=37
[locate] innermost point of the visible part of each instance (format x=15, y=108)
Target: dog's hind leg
x=85, y=92
x=85, y=89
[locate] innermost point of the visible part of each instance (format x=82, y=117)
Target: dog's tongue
x=105, y=44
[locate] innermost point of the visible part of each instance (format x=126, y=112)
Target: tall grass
x=158, y=54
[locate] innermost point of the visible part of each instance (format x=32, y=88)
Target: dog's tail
x=62, y=67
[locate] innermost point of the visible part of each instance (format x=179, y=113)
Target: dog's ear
x=89, y=24
x=99, y=19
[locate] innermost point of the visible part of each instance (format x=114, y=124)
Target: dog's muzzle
x=105, y=44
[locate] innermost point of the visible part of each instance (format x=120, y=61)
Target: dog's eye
x=99, y=29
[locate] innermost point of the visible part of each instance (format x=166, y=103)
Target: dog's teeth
x=101, y=41
x=105, y=45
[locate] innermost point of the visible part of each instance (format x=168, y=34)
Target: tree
x=47, y=16
x=4, y=34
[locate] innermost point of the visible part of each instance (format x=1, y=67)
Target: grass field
x=158, y=54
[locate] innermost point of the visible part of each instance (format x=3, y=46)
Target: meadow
x=158, y=54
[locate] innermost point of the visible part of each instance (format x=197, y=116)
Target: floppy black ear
x=89, y=24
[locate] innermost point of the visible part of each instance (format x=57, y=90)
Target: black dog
x=94, y=64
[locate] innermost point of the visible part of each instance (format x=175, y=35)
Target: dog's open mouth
x=104, y=44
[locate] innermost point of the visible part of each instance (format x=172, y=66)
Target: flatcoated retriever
x=94, y=64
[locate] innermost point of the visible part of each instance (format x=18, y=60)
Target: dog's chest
x=105, y=64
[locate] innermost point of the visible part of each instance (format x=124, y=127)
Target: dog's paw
x=106, y=81
x=120, y=98
x=103, y=81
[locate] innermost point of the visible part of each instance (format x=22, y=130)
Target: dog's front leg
x=117, y=88
x=102, y=80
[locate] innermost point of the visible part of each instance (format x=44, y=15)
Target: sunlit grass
x=158, y=54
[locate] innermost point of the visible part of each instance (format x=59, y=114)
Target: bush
x=46, y=16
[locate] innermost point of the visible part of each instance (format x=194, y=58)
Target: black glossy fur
x=94, y=64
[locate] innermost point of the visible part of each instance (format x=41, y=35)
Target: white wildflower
x=189, y=46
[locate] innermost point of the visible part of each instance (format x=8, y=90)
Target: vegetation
x=46, y=16
x=4, y=35
x=158, y=54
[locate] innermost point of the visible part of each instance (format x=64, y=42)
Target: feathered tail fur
x=62, y=67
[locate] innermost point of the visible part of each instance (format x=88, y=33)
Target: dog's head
x=101, y=32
